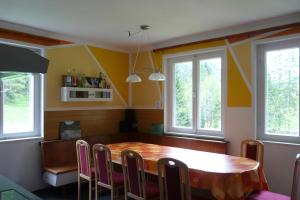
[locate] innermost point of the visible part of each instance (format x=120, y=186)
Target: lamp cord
x=138, y=51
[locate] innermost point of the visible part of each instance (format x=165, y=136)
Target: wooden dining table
x=227, y=177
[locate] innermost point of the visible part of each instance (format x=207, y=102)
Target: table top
x=10, y=190
x=195, y=160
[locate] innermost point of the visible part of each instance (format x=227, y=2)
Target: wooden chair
x=85, y=171
x=174, y=181
x=253, y=149
x=266, y=195
x=136, y=185
x=104, y=174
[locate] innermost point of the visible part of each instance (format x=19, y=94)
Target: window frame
x=38, y=101
x=195, y=57
x=261, y=48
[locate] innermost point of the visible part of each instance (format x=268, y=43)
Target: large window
x=20, y=105
x=278, y=91
x=194, y=94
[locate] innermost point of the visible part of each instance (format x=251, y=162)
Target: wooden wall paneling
x=145, y=118
x=92, y=122
x=30, y=38
x=188, y=143
x=234, y=37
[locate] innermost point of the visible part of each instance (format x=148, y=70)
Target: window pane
x=18, y=103
x=282, y=92
x=209, y=100
x=183, y=96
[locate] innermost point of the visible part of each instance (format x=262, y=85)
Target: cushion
x=266, y=195
x=152, y=189
x=118, y=178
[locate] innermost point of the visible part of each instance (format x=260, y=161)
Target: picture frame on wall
x=69, y=130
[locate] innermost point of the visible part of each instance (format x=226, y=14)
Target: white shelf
x=69, y=94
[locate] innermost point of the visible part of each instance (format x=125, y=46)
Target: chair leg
x=78, y=188
x=112, y=194
x=90, y=189
x=96, y=190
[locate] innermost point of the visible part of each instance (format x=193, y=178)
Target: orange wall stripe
x=235, y=37
x=30, y=38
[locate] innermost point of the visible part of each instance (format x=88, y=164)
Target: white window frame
x=195, y=57
x=261, y=47
x=38, y=105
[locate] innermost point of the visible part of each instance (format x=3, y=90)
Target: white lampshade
x=157, y=76
x=133, y=78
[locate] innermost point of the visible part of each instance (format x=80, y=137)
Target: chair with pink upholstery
x=174, y=180
x=136, y=186
x=266, y=195
x=85, y=169
x=105, y=176
x=253, y=149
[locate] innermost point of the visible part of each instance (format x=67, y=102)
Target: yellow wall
x=238, y=94
x=79, y=57
x=146, y=93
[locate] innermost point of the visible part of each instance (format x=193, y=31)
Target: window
x=278, y=91
x=20, y=104
x=195, y=94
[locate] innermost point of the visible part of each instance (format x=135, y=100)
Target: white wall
x=20, y=161
x=279, y=158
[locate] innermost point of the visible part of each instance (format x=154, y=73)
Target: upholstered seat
x=118, y=178
x=266, y=195
x=152, y=189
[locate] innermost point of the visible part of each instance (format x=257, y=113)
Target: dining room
x=149, y=100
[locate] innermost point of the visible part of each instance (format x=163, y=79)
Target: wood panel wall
x=30, y=38
x=92, y=122
x=145, y=118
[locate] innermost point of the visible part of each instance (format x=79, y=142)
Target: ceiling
x=106, y=22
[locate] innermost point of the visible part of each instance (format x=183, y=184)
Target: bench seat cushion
x=61, y=169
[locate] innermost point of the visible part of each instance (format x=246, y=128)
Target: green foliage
x=210, y=94
x=209, y=110
x=17, y=108
x=183, y=94
x=16, y=89
x=282, y=92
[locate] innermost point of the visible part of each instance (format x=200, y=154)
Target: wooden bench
x=59, y=160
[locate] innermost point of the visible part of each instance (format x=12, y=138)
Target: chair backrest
x=295, y=187
x=134, y=175
x=103, y=165
x=253, y=149
x=83, y=158
x=174, y=181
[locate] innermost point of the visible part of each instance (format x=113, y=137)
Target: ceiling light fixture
x=156, y=75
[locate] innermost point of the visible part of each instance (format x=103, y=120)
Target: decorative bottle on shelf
x=68, y=79
x=100, y=80
x=74, y=79
x=103, y=82
x=80, y=79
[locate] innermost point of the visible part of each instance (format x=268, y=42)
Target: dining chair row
x=173, y=177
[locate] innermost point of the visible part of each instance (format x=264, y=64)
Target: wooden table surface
x=207, y=170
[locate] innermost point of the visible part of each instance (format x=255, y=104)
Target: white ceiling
x=106, y=22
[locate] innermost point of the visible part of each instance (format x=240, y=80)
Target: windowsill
x=21, y=139
x=281, y=143
x=202, y=137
